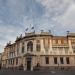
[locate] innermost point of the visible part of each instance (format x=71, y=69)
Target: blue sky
x=17, y=15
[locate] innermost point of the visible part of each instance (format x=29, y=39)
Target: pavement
x=11, y=72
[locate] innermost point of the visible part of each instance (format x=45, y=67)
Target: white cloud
x=55, y=7
x=68, y=18
x=62, y=12
x=58, y=13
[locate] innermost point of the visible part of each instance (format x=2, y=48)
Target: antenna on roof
x=68, y=32
x=49, y=31
x=42, y=31
x=21, y=36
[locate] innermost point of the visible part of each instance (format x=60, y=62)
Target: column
x=58, y=61
x=25, y=45
x=34, y=46
x=71, y=60
x=24, y=63
x=15, y=50
x=50, y=50
x=70, y=46
x=64, y=58
x=20, y=48
x=42, y=46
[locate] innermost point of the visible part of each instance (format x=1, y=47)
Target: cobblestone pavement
x=9, y=72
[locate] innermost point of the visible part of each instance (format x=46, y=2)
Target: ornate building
x=40, y=50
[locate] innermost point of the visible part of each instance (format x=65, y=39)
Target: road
x=7, y=72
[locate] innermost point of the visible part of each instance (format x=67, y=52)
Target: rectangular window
x=73, y=41
x=62, y=41
x=73, y=49
x=61, y=60
x=47, y=60
x=17, y=51
x=16, y=61
x=55, y=60
x=65, y=42
x=13, y=61
x=9, y=62
x=59, y=41
x=67, y=60
x=56, y=41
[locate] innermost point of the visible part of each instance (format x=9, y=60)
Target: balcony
x=60, y=45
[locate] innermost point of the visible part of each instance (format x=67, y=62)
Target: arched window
x=23, y=47
x=30, y=46
x=38, y=47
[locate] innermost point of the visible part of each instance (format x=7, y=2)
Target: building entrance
x=28, y=64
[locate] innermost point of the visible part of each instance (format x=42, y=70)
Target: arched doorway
x=28, y=61
x=28, y=64
x=29, y=55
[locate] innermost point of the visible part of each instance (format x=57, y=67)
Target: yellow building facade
x=43, y=50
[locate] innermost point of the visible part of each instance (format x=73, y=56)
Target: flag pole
x=30, y=28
